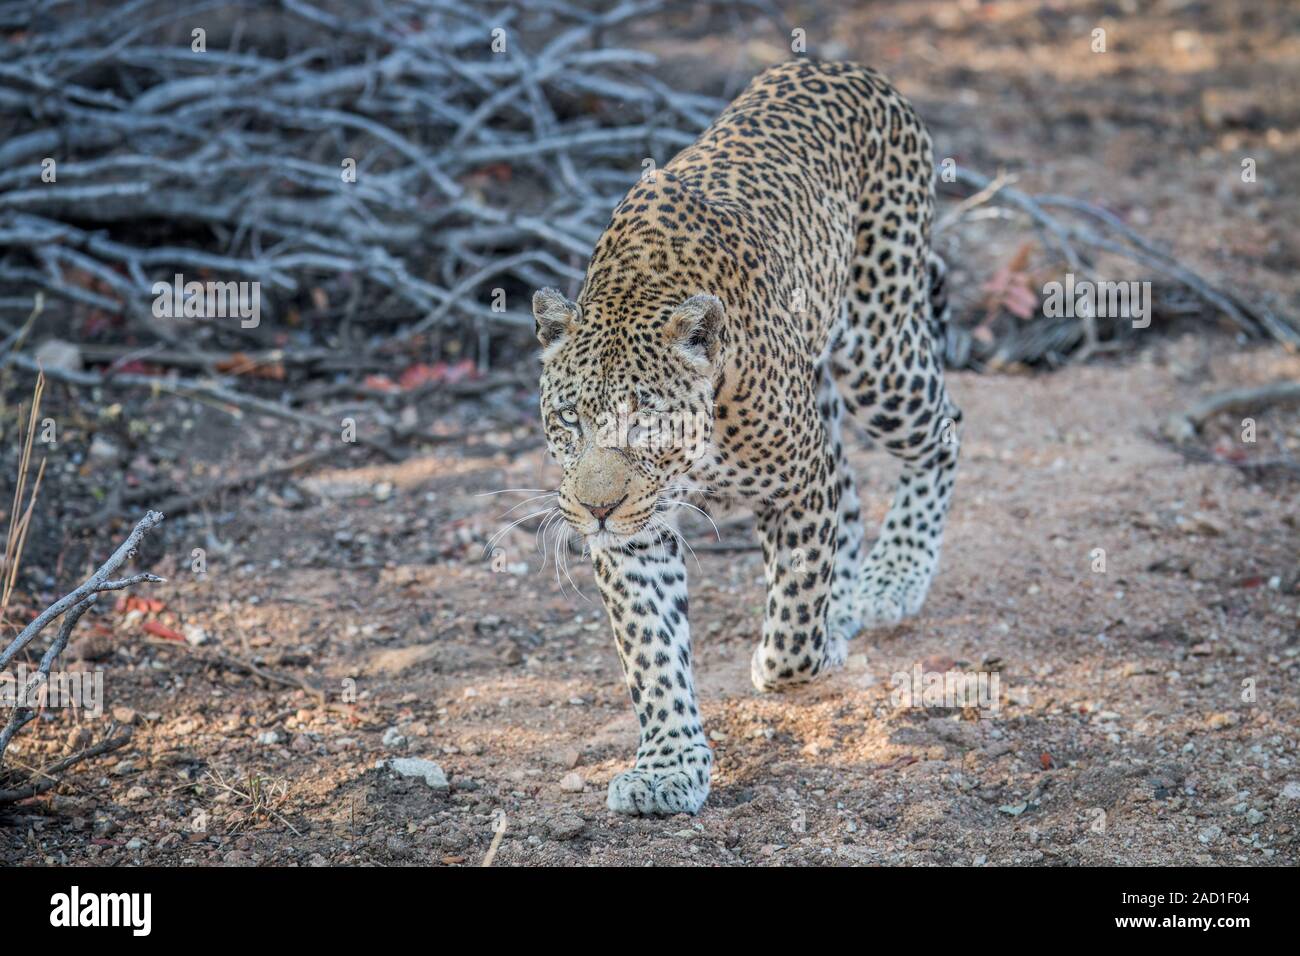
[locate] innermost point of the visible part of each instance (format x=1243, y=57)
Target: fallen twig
x=47, y=773
x=74, y=605
x=1183, y=426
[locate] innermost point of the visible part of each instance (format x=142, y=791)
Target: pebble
x=573, y=783
x=416, y=767
x=1254, y=816
x=1210, y=833
x=135, y=843
x=136, y=793
x=1221, y=721
x=1291, y=791
x=393, y=739
x=566, y=827
x=124, y=715
x=271, y=737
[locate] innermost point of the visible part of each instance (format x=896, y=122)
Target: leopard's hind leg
x=886, y=359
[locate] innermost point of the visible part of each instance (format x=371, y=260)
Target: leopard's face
x=626, y=415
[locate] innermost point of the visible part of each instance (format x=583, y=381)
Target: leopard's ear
x=695, y=326
x=553, y=314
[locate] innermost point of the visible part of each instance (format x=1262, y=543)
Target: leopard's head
x=627, y=405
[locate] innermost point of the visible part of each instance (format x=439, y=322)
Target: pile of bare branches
x=488, y=145
x=386, y=170
x=1075, y=235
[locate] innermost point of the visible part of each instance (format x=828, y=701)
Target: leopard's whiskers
x=687, y=504
x=548, y=494
x=562, y=555
x=508, y=528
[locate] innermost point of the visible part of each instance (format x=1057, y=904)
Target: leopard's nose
x=601, y=512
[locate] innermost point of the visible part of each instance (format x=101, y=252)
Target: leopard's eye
x=569, y=416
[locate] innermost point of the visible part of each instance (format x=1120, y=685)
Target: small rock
x=102, y=450
x=136, y=794
x=1221, y=721
x=195, y=635
x=124, y=715
x=1254, y=817
x=271, y=737
x=1291, y=791
x=92, y=647
x=1210, y=833
x=302, y=744
x=416, y=767
x=393, y=739
x=566, y=827
x=57, y=354
x=135, y=843
x=573, y=783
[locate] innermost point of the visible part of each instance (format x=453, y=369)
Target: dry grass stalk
x=20, y=512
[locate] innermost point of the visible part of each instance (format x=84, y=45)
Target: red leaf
x=163, y=631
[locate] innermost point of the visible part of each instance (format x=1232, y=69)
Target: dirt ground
x=1121, y=732
x=1147, y=713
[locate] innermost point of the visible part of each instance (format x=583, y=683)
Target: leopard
x=744, y=300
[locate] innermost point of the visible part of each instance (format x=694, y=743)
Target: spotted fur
x=771, y=277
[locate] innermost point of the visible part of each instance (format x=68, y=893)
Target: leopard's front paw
x=768, y=671
x=647, y=793
x=886, y=602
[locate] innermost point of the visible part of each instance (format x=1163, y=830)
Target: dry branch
x=1077, y=237
x=71, y=606
x=1183, y=426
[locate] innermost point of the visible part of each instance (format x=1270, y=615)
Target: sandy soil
x=1120, y=733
